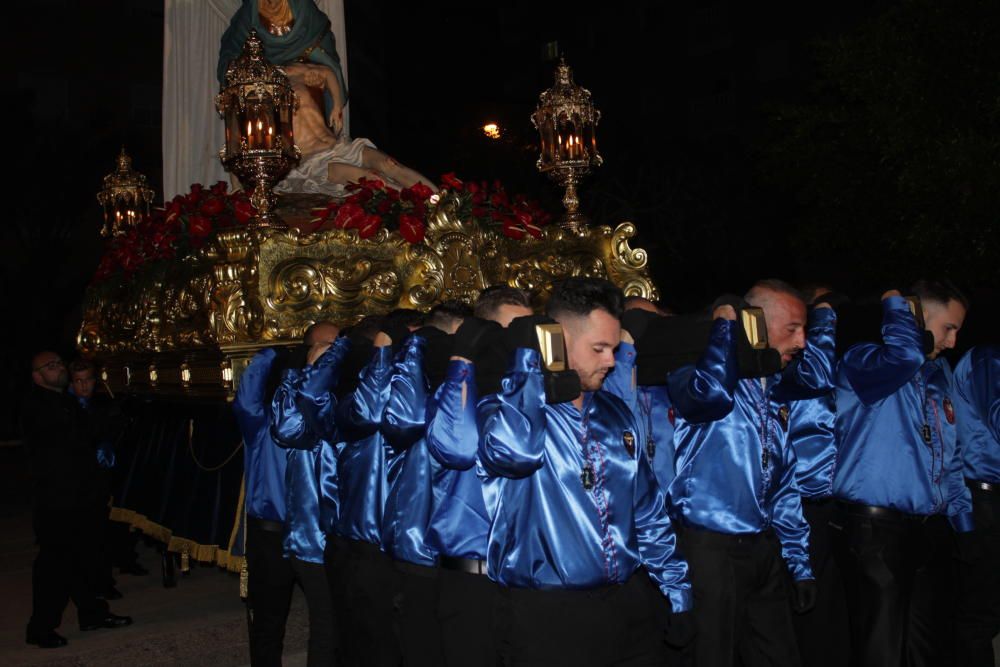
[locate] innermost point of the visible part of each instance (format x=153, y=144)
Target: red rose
x=421, y=191
x=348, y=216
x=371, y=183
x=499, y=198
x=212, y=206
x=383, y=206
x=472, y=187
x=451, y=182
x=173, y=212
x=369, y=226
x=478, y=212
x=199, y=226
x=220, y=188
x=479, y=198
x=411, y=228
x=512, y=229
x=195, y=194
x=244, y=210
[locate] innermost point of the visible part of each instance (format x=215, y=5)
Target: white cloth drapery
x=192, y=130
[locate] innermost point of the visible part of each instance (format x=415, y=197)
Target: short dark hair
x=939, y=291
x=581, y=296
x=491, y=298
x=81, y=365
x=447, y=313
x=774, y=285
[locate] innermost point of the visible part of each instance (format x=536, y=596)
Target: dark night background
x=853, y=142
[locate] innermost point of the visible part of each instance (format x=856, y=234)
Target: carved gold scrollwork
x=247, y=288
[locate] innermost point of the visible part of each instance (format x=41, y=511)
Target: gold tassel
x=244, y=581
x=185, y=561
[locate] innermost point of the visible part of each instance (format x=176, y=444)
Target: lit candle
x=269, y=138
x=562, y=149
x=249, y=134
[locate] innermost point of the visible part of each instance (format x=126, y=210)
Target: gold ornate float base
x=190, y=327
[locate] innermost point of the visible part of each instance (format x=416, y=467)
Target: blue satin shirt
x=977, y=411
x=808, y=384
x=366, y=464
x=575, y=503
x=886, y=395
x=311, y=471
x=735, y=470
x=404, y=423
x=459, y=525
x=263, y=460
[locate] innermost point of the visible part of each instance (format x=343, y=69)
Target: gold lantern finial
x=566, y=121
x=125, y=197
x=257, y=103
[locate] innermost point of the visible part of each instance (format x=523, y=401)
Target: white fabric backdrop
x=192, y=130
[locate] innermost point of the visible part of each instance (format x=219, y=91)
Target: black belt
x=266, y=524
x=715, y=538
x=876, y=512
x=976, y=485
x=466, y=565
x=417, y=570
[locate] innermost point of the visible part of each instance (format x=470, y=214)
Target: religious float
x=185, y=295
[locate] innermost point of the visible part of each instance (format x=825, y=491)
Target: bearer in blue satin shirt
x=271, y=580
x=822, y=633
x=736, y=493
x=412, y=494
x=899, y=477
x=580, y=541
x=459, y=526
x=977, y=415
x=311, y=479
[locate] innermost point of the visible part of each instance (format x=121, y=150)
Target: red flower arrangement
x=184, y=225
x=373, y=205
x=189, y=220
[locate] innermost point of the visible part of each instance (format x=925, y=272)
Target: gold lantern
x=566, y=121
x=257, y=102
x=125, y=197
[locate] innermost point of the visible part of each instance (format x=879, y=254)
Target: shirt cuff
x=962, y=523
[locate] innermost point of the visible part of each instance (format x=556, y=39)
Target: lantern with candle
x=566, y=121
x=257, y=103
x=125, y=197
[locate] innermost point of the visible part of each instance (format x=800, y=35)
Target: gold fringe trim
x=203, y=553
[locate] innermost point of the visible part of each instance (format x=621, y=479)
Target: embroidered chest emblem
x=629, y=441
x=949, y=410
x=783, y=416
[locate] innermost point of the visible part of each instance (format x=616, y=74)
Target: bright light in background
x=491, y=130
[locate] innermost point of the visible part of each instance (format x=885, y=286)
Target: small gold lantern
x=125, y=197
x=566, y=121
x=257, y=103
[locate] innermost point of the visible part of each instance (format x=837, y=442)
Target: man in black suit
x=64, y=468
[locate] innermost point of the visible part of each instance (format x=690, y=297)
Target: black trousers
x=336, y=560
x=370, y=583
x=269, y=592
x=419, y=630
x=612, y=625
x=465, y=605
x=899, y=577
x=741, y=599
x=68, y=556
x=323, y=634
x=978, y=618
x=823, y=634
